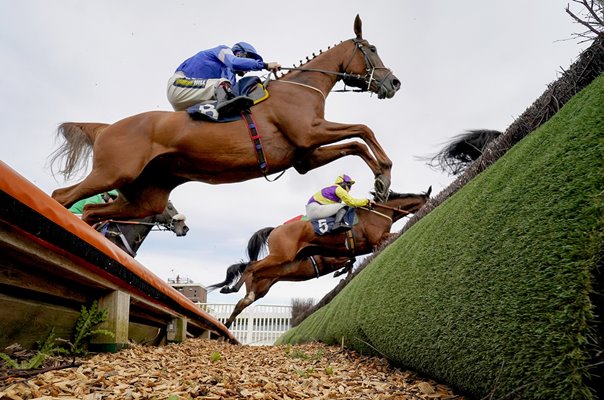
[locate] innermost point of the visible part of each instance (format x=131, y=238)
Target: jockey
x=106, y=197
x=210, y=75
x=333, y=200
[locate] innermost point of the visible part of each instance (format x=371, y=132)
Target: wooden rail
x=52, y=264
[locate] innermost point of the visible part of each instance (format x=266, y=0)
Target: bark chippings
x=204, y=369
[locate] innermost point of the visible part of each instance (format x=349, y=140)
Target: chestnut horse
x=129, y=235
x=146, y=156
x=290, y=246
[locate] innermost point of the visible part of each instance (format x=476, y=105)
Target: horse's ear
x=358, y=27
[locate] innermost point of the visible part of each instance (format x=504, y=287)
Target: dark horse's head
x=366, y=71
x=172, y=220
x=405, y=203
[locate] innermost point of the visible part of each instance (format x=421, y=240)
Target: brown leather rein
x=392, y=208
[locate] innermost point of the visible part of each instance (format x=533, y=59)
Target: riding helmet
x=248, y=49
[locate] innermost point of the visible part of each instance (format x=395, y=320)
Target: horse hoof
x=382, y=188
x=225, y=290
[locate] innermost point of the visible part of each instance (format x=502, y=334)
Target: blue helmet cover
x=246, y=48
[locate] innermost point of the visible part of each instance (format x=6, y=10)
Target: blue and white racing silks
x=218, y=62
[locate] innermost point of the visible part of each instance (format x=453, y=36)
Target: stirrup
x=340, y=227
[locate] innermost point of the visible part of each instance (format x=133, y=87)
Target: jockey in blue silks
x=333, y=200
x=210, y=74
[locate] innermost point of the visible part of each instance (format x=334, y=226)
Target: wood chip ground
x=215, y=370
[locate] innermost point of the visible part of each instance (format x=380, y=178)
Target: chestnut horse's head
x=366, y=71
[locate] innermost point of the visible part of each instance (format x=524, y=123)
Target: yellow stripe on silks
x=322, y=199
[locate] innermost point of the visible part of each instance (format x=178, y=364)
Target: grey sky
x=463, y=65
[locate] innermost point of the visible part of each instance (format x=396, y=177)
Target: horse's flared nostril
x=396, y=84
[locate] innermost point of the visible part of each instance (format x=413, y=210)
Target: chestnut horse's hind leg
x=148, y=201
x=242, y=304
x=256, y=289
x=98, y=181
x=93, y=184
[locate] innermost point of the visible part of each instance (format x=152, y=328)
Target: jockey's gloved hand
x=272, y=66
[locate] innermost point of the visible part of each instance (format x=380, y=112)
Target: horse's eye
x=373, y=49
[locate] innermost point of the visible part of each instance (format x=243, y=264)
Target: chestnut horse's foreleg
x=326, y=154
x=326, y=132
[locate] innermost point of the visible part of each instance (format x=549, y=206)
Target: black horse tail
x=258, y=242
x=233, y=273
x=463, y=150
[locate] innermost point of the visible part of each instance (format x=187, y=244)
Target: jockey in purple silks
x=333, y=200
x=210, y=75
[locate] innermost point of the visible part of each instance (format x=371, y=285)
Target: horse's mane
x=308, y=59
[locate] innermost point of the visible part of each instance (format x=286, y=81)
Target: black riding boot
x=339, y=225
x=228, y=104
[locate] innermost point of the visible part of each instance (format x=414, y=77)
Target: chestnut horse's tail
x=233, y=273
x=258, y=242
x=78, y=138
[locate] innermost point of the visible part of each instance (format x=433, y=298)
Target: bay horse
x=291, y=245
x=130, y=234
x=147, y=155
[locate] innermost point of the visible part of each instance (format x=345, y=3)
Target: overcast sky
x=463, y=65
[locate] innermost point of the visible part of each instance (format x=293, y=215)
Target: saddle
x=323, y=226
x=249, y=86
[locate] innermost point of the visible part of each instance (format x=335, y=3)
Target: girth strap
x=255, y=136
x=314, y=265
x=350, y=242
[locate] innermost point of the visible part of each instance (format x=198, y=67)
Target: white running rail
x=258, y=325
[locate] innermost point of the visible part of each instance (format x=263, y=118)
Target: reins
x=400, y=210
x=376, y=212
x=392, y=208
x=368, y=78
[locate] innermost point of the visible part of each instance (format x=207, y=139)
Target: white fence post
x=257, y=325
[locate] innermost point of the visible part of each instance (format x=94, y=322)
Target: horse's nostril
x=396, y=83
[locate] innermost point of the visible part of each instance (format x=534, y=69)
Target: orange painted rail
x=35, y=215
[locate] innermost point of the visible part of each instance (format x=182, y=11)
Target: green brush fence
x=493, y=291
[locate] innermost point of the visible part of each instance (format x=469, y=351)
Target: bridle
x=155, y=226
x=367, y=79
x=369, y=69
x=104, y=228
